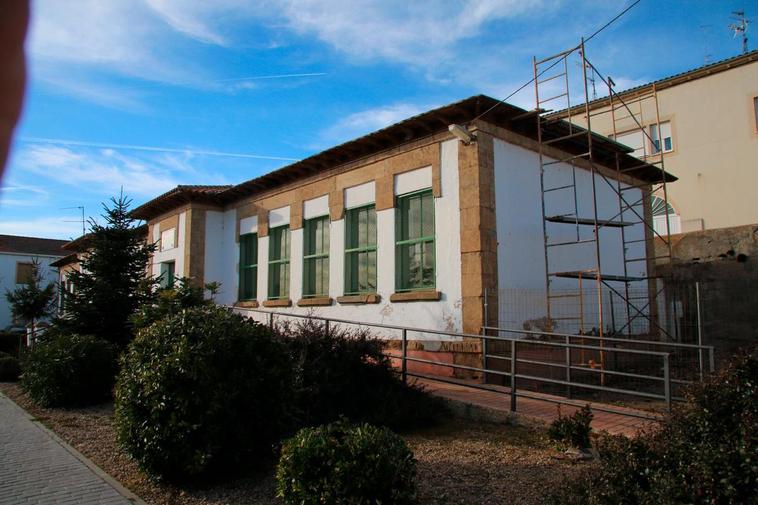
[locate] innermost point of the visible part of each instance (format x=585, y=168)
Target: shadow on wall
x=721, y=266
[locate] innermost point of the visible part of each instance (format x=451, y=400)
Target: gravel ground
x=460, y=462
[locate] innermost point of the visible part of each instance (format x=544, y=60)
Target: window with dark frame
x=24, y=273
x=167, y=274
x=414, y=246
x=360, y=250
x=248, y=271
x=661, y=132
x=279, y=263
x=316, y=257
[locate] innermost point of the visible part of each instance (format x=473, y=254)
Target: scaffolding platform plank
x=588, y=221
x=593, y=276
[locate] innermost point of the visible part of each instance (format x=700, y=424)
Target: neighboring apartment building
x=408, y=225
x=17, y=255
x=708, y=132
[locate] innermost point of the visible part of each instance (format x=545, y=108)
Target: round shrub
x=343, y=464
x=201, y=392
x=68, y=369
x=10, y=368
x=706, y=451
x=344, y=373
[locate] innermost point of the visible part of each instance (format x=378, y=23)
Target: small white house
x=17, y=255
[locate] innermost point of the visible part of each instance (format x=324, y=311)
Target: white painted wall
x=8, y=278
x=215, y=235
x=221, y=262
x=175, y=254
x=521, y=260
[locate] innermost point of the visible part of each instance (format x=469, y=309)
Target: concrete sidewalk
x=37, y=467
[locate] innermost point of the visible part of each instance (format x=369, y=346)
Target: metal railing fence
x=512, y=376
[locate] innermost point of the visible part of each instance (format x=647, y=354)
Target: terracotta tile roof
x=31, y=245
x=66, y=260
x=478, y=107
x=181, y=194
x=81, y=243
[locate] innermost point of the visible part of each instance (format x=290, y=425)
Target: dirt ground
x=459, y=461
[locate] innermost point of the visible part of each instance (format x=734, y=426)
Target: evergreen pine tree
x=32, y=302
x=112, y=282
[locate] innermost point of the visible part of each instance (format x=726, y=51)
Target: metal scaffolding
x=553, y=87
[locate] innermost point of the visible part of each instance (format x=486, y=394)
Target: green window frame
x=360, y=250
x=248, y=271
x=279, y=263
x=316, y=257
x=415, y=265
x=167, y=274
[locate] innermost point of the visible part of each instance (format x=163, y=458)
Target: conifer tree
x=32, y=302
x=112, y=282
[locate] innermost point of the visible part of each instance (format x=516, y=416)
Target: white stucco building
x=16, y=257
x=408, y=225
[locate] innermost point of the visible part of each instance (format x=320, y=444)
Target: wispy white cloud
x=134, y=147
x=398, y=30
x=366, y=121
x=47, y=226
x=22, y=195
x=95, y=171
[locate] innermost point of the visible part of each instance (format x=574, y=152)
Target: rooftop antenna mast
x=705, y=30
x=82, y=220
x=740, y=27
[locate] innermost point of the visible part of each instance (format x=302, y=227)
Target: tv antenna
x=705, y=30
x=740, y=27
x=591, y=77
x=82, y=220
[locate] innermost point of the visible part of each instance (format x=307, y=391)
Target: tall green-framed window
x=316, y=257
x=279, y=263
x=248, y=287
x=360, y=250
x=167, y=274
x=414, y=247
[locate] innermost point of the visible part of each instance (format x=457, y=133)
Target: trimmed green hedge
x=344, y=464
x=68, y=369
x=200, y=392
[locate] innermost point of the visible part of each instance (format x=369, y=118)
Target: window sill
x=316, y=301
x=358, y=299
x=247, y=304
x=277, y=303
x=416, y=296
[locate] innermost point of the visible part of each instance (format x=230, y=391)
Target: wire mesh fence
x=679, y=318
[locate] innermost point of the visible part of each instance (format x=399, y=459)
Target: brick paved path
x=37, y=468
x=498, y=399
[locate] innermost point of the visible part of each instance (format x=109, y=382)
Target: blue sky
x=147, y=94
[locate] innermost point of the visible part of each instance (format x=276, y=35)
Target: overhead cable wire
x=530, y=81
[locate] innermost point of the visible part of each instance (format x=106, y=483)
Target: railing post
x=513, y=375
x=711, y=359
x=404, y=362
x=484, y=355
x=271, y=320
x=568, y=366
x=699, y=329
x=667, y=381
x=326, y=326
